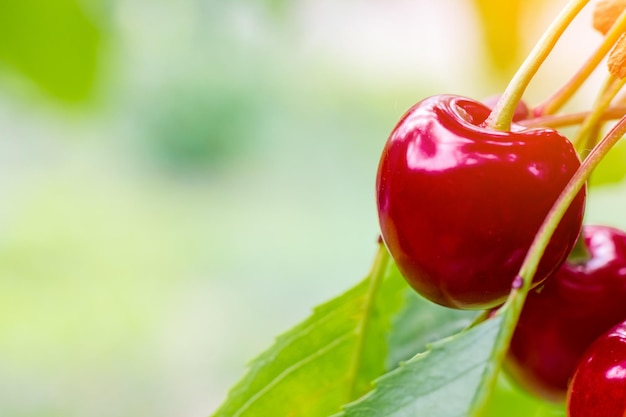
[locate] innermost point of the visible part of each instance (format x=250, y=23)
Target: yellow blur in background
x=181, y=181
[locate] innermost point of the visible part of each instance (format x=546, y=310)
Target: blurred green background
x=181, y=181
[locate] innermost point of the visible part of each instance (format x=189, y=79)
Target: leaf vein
x=376, y=276
x=289, y=370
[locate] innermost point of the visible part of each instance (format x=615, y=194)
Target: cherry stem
x=521, y=285
x=561, y=96
x=570, y=119
x=587, y=134
x=586, y=139
x=502, y=114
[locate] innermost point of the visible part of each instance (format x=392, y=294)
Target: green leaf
x=441, y=382
x=506, y=393
x=329, y=359
x=421, y=322
x=610, y=169
x=54, y=43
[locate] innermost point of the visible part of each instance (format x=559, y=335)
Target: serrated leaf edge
x=439, y=344
x=377, y=273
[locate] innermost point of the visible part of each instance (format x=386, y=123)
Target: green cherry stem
x=502, y=114
x=571, y=119
x=586, y=136
x=521, y=284
x=561, y=96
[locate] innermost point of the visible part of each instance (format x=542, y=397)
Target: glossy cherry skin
x=598, y=388
x=459, y=204
x=562, y=318
x=522, y=112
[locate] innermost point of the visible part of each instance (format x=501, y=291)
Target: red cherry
x=522, y=112
x=459, y=203
x=598, y=388
x=562, y=319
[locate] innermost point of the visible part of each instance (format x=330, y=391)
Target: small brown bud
x=606, y=13
x=617, y=58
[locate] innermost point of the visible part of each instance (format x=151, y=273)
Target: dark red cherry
x=522, y=112
x=459, y=203
x=561, y=319
x=598, y=388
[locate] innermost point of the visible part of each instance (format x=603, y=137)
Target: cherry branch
x=521, y=284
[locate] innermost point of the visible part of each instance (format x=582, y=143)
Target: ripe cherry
x=574, y=307
x=598, y=388
x=459, y=203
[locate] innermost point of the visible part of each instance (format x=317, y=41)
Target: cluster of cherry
x=466, y=190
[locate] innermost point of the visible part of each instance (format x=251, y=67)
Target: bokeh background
x=181, y=181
